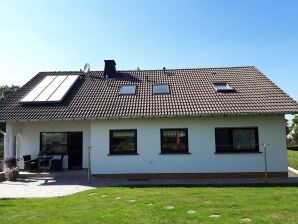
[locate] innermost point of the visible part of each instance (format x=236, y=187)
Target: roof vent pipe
x=110, y=69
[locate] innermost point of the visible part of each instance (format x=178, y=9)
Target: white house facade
x=201, y=158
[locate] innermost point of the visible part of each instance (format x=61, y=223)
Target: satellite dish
x=86, y=68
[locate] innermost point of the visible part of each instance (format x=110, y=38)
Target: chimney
x=110, y=69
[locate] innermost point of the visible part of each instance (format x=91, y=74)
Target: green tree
x=5, y=91
x=294, y=130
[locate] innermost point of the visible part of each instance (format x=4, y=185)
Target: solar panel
x=45, y=95
x=51, y=89
x=63, y=89
x=38, y=89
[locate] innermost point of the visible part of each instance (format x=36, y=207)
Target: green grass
x=263, y=204
x=293, y=159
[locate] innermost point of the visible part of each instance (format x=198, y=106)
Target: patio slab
x=45, y=185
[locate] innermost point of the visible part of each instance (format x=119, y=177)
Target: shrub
x=10, y=162
x=293, y=148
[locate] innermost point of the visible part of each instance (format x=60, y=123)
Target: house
x=169, y=123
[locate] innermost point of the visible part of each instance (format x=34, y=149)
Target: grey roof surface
x=191, y=94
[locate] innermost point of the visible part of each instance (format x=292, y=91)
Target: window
x=174, y=141
x=236, y=140
x=161, y=89
x=53, y=142
x=128, y=90
x=123, y=142
x=223, y=87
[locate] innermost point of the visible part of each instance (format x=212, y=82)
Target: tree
x=294, y=130
x=5, y=91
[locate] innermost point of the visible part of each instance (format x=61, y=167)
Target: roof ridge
x=168, y=69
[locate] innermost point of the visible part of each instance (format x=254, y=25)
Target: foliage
x=10, y=162
x=293, y=158
x=263, y=204
x=293, y=148
x=6, y=90
x=293, y=130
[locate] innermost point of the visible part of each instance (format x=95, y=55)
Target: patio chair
x=57, y=164
x=30, y=164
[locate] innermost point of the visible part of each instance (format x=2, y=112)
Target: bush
x=10, y=162
x=293, y=148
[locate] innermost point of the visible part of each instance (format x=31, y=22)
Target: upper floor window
x=236, y=140
x=123, y=142
x=161, y=89
x=128, y=90
x=174, y=140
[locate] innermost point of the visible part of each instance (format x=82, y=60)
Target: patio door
x=75, y=150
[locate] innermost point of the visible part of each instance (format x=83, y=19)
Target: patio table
x=44, y=162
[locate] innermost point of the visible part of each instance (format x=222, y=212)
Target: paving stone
x=104, y=195
x=149, y=204
x=191, y=211
x=169, y=207
x=118, y=198
x=214, y=215
x=245, y=219
x=131, y=201
x=92, y=193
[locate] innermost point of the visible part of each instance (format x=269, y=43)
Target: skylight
x=161, y=89
x=222, y=87
x=128, y=90
x=51, y=89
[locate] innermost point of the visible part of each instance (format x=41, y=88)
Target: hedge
x=294, y=148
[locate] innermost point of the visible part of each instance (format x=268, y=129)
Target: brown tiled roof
x=192, y=94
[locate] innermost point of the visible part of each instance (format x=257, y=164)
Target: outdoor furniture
x=44, y=162
x=30, y=164
x=57, y=163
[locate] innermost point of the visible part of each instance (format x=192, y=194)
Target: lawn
x=293, y=159
x=270, y=204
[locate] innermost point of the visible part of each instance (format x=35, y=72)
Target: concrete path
x=42, y=185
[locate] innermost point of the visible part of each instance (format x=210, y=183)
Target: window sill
x=238, y=152
x=175, y=153
x=123, y=154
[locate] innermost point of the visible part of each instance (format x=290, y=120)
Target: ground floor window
x=123, y=142
x=174, y=140
x=236, y=140
x=53, y=142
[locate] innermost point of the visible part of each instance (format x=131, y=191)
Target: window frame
x=161, y=84
x=54, y=132
x=256, y=149
x=164, y=151
x=127, y=94
x=135, y=152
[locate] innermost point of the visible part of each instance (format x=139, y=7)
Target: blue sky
x=64, y=35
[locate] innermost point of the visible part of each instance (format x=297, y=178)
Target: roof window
x=128, y=90
x=161, y=89
x=222, y=87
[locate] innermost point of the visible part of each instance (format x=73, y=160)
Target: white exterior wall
x=29, y=136
x=201, y=138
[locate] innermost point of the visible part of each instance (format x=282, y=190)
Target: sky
x=63, y=35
